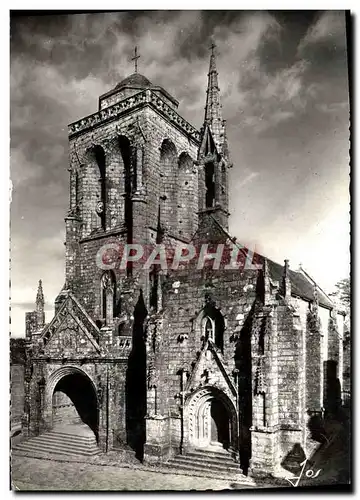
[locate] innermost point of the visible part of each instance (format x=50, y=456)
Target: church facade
x=166, y=361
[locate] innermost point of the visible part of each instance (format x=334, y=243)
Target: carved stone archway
x=68, y=377
x=210, y=418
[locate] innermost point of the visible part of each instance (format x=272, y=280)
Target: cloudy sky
x=284, y=85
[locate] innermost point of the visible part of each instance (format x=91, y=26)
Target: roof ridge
x=307, y=275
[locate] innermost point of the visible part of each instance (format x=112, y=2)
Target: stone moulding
x=119, y=357
x=131, y=103
x=173, y=116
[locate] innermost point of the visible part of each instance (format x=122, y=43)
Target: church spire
x=213, y=154
x=213, y=116
x=40, y=306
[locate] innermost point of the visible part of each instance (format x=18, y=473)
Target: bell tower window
x=210, y=185
x=128, y=173
x=101, y=206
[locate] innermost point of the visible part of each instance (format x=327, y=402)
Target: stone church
x=185, y=363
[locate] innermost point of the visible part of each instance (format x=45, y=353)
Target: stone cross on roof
x=135, y=58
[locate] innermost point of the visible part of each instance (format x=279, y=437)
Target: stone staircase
x=65, y=415
x=70, y=440
x=207, y=462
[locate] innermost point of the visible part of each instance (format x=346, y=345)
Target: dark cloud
x=283, y=80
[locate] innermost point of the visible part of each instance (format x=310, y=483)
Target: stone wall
x=289, y=363
x=314, y=361
x=17, y=389
x=17, y=393
x=179, y=336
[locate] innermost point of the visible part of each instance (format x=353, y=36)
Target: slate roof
x=138, y=81
x=135, y=79
x=302, y=285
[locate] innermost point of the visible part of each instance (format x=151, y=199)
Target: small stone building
x=166, y=361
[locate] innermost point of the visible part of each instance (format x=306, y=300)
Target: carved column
x=264, y=435
x=108, y=288
x=157, y=446
x=139, y=168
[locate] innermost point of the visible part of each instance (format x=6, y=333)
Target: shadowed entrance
x=74, y=401
x=220, y=423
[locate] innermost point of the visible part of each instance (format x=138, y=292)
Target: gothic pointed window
x=210, y=185
x=101, y=205
x=185, y=197
x=128, y=161
x=108, y=296
x=213, y=326
x=209, y=329
x=168, y=184
x=154, y=289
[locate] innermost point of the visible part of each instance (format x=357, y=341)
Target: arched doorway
x=211, y=420
x=74, y=400
x=219, y=424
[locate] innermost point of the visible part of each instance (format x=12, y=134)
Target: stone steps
x=208, y=463
x=216, y=456
x=59, y=419
x=187, y=462
x=59, y=443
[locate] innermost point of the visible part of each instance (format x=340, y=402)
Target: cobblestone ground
x=36, y=474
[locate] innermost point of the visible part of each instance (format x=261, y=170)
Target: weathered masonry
x=171, y=362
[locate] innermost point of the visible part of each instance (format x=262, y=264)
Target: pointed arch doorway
x=212, y=420
x=219, y=424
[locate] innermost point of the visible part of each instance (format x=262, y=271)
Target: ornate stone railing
x=122, y=345
x=106, y=114
x=132, y=102
x=173, y=116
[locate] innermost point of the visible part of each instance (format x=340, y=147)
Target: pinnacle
x=213, y=115
x=40, y=293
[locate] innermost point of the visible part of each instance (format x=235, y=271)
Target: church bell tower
x=133, y=181
x=213, y=157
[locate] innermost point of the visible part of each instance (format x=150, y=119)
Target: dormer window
x=209, y=329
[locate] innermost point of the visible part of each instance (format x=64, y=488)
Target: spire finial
x=40, y=293
x=40, y=305
x=135, y=58
x=213, y=107
x=212, y=67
